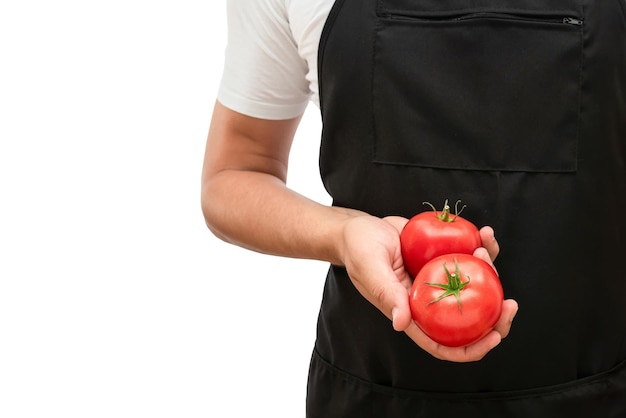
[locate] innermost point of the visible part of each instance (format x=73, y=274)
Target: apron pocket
x=477, y=90
x=334, y=393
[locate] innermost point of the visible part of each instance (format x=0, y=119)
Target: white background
x=115, y=300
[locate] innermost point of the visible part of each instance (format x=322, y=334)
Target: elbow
x=210, y=213
x=216, y=232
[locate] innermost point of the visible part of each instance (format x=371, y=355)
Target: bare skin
x=246, y=202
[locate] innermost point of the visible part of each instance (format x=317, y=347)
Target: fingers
x=398, y=222
x=489, y=241
x=490, y=249
x=390, y=296
x=472, y=352
x=401, y=317
x=483, y=254
x=509, y=310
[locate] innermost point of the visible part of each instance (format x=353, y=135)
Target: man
x=518, y=109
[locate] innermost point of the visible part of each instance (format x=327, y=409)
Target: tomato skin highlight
x=448, y=321
x=425, y=236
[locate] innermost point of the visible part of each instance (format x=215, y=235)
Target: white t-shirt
x=270, y=67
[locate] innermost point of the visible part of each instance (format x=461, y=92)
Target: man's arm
x=246, y=202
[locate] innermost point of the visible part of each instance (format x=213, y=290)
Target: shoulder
x=294, y=15
x=271, y=56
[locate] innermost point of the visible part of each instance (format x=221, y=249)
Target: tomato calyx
x=454, y=285
x=445, y=215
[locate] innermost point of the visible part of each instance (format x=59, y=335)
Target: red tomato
x=431, y=234
x=456, y=299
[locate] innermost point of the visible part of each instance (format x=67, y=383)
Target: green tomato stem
x=454, y=285
x=444, y=216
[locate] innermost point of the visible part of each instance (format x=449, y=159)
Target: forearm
x=257, y=211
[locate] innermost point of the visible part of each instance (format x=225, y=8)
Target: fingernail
x=394, y=313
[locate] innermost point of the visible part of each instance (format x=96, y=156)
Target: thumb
x=390, y=296
x=401, y=312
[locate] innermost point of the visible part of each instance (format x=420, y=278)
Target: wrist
x=339, y=234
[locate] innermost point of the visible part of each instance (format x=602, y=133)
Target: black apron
x=518, y=108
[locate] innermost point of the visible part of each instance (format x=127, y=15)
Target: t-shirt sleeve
x=264, y=76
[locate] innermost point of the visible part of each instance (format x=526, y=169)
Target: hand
x=372, y=257
x=373, y=260
x=490, y=249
